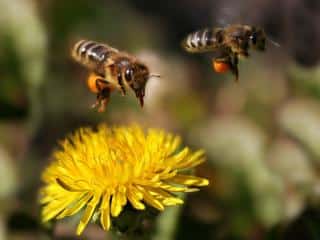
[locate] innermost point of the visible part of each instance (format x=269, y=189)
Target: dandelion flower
x=102, y=171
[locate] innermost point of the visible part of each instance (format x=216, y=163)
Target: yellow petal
x=172, y=201
x=122, y=195
x=88, y=213
x=105, y=212
x=172, y=188
x=135, y=192
x=117, y=203
x=168, y=174
x=192, y=161
x=135, y=200
x=151, y=200
x=174, y=144
x=158, y=191
x=165, y=197
x=180, y=156
x=66, y=186
x=55, y=207
x=189, y=180
x=76, y=207
x=45, y=199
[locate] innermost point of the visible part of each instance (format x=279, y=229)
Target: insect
x=228, y=43
x=110, y=69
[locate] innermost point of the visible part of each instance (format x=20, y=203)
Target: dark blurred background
x=262, y=135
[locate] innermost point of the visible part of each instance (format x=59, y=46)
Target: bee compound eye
x=254, y=38
x=129, y=74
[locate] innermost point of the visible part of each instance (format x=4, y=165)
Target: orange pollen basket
x=92, y=83
x=220, y=67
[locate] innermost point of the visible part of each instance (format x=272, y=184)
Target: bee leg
x=103, y=94
x=123, y=91
x=235, y=72
x=95, y=86
x=97, y=103
x=102, y=99
x=122, y=88
x=234, y=60
x=102, y=83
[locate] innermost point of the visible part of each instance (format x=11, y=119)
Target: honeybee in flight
x=110, y=70
x=228, y=43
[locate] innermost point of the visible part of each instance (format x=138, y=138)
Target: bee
x=228, y=43
x=111, y=69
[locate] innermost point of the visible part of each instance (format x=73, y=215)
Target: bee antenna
x=273, y=42
x=155, y=75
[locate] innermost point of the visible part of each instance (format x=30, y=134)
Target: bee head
x=137, y=76
x=258, y=39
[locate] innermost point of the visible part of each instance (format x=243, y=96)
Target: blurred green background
x=262, y=135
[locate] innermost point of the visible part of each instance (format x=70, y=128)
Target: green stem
x=167, y=222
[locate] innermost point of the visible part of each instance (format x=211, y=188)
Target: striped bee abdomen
x=92, y=54
x=201, y=41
